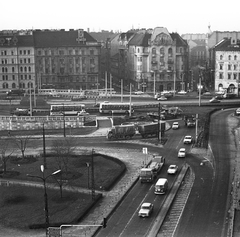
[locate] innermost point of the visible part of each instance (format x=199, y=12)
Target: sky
x=181, y=16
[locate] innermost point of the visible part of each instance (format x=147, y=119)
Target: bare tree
x=21, y=143
x=5, y=151
x=62, y=150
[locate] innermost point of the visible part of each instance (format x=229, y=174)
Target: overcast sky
x=182, y=16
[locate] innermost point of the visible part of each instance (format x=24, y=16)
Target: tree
x=21, y=143
x=5, y=152
x=63, y=149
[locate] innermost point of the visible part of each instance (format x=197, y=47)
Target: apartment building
x=227, y=65
x=49, y=58
x=17, y=61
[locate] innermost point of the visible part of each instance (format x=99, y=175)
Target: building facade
x=49, y=59
x=227, y=66
x=17, y=60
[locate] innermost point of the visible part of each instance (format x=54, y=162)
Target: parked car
x=182, y=153
x=138, y=92
x=175, y=125
x=214, y=100
x=188, y=139
x=172, y=169
x=146, y=209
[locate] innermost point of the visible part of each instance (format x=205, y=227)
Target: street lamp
x=64, y=127
x=43, y=178
x=154, y=83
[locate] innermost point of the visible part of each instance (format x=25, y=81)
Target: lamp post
x=43, y=178
x=64, y=127
x=44, y=149
x=154, y=83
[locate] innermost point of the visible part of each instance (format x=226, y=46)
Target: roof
x=17, y=40
x=102, y=36
x=140, y=39
x=59, y=38
x=226, y=45
x=179, y=40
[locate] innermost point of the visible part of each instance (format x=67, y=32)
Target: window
x=229, y=67
x=221, y=57
x=13, y=61
x=13, y=69
x=83, y=52
x=25, y=60
x=220, y=66
x=29, y=51
x=91, y=52
x=162, y=52
x=13, y=77
x=24, y=52
x=229, y=76
x=229, y=57
x=220, y=75
x=29, y=69
x=235, y=57
x=29, y=60
x=39, y=52
x=25, y=69
x=235, y=67
x=139, y=59
x=235, y=76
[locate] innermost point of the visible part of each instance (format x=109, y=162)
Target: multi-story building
x=158, y=60
x=17, y=61
x=49, y=58
x=66, y=59
x=226, y=55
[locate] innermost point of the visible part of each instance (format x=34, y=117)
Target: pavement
x=112, y=198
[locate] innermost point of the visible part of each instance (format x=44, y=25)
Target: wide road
x=206, y=212
x=125, y=221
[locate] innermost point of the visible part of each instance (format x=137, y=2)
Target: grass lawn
x=22, y=206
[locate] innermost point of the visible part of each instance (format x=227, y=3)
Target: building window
x=29, y=51
x=229, y=67
x=220, y=66
x=25, y=60
x=83, y=52
x=153, y=50
x=235, y=76
x=29, y=60
x=39, y=52
x=161, y=52
x=229, y=57
x=91, y=52
x=13, y=77
x=221, y=75
x=139, y=59
x=13, y=69
x=229, y=76
x=235, y=57
x=221, y=57
x=235, y=67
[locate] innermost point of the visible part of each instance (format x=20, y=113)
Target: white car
x=138, y=92
x=172, y=169
x=146, y=209
x=162, y=98
x=188, y=139
x=182, y=92
x=237, y=111
x=182, y=153
x=175, y=125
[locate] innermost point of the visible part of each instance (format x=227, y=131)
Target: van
x=161, y=186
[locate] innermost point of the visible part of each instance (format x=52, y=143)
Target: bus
x=115, y=108
x=68, y=110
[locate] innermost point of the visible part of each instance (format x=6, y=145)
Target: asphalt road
x=205, y=214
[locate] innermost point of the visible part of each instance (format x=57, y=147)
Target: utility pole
x=159, y=123
x=93, y=185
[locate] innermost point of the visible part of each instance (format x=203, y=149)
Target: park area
x=70, y=192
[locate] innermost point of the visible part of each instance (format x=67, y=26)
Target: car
x=162, y=98
x=188, y=139
x=138, y=92
x=175, y=125
x=182, y=153
x=214, y=100
x=146, y=209
x=237, y=111
x=172, y=169
x=182, y=92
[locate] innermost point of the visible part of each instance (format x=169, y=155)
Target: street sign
x=145, y=151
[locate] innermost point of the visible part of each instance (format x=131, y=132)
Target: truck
x=121, y=132
x=149, y=173
x=151, y=129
